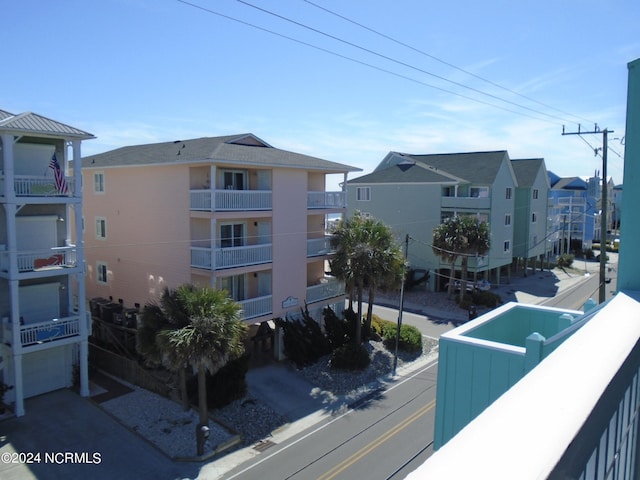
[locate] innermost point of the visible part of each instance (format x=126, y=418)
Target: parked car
x=483, y=285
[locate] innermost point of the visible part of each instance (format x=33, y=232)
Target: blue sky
x=141, y=71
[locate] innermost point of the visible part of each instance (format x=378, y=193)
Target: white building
x=44, y=330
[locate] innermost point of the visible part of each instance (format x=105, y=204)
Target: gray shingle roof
x=29, y=123
x=410, y=172
x=526, y=170
x=479, y=168
x=244, y=149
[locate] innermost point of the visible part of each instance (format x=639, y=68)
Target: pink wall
x=289, y=238
x=147, y=244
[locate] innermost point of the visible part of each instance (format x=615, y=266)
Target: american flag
x=61, y=182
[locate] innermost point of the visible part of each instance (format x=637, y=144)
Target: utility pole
x=603, y=204
x=406, y=254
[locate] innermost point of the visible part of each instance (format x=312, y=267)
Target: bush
x=227, y=385
x=336, y=330
x=565, y=260
x=410, y=339
x=350, y=357
x=488, y=299
x=304, y=342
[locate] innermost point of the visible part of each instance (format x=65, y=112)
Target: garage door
x=46, y=370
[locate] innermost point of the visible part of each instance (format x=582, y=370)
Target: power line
x=399, y=62
x=360, y=62
x=444, y=62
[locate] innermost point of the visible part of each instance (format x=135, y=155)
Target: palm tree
x=477, y=244
x=169, y=313
x=212, y=337
x=366, y=257
x=460, y=236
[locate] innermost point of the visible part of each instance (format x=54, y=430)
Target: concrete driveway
x=66, y=436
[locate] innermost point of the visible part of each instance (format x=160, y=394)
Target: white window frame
x=102, y=273
x=98, y=183
x=101, y=228
x=507, y=246
x=235, y=241
x=507, y=219
x=363, y=194
x=535, y=193
x=508, y=193
x=534, y=217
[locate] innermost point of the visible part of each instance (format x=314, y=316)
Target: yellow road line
x=347, y=462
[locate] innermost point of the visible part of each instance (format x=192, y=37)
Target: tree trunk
x=202, y=395
x=463, y=277
x=367, y=325
x=452, y=278
x=182, y=374
x=358, y=336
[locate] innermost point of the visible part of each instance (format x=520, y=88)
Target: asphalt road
x=575, y=297
x=384, y=437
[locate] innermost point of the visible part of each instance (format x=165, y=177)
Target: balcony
x=575, y=415
x=230, y=200
x=256, y=307
x=317, y=247
x=36, y=186
x=466, y=202
x=326, y=200
x=230, y=257
x=44, y=332
x=41, y=260
x=324, y=291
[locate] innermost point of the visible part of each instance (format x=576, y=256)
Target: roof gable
x=527, y=170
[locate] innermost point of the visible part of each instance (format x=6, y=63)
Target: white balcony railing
x=324, y=291
x=230, y=200
x=37, y=260
x=326, y=200
x=41, y=332
x=256, y=307
x=230, y=257
x=319, y=246
x=575, y=415
x=37, y=186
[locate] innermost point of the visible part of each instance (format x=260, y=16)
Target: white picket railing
x=324, y=291
x=256, y=307
x=230, y=257
x=230, y=200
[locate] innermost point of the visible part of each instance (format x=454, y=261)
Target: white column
x=7, y=162
x=212, y=245
x=212, y=186
x=83, y=358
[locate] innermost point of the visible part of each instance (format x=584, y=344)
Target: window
x=507, y=246
x=98, y=182
x=234, y=180
x=101, y=275
x=363, y=194
x=479, y=192
x=535, y=193
x=534, y=217
x=508, y=193
x=507, y=220
x=234, y=285
x=101, y=228
x=231, y=235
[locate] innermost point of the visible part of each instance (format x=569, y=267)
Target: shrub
x=227, y=385
x=488, y=299
x=410, y=339
x=304, y=342
x=565, y=260
x=350, y=357
x=336, y=330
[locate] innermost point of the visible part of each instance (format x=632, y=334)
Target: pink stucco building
x=231, y=212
